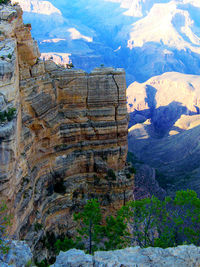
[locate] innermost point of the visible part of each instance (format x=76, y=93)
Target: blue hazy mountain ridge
x=165, y=128
x=147, y=38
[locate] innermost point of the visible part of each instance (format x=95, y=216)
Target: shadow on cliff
x=161, y=119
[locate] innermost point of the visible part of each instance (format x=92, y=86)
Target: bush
x=9, y=56
x=167, y=223
x=94, y=234
x=146, y=222
x=43, y=263
x=65, y=245
x=7, y=115
x=10, y=113
x=5, y=2
x=4, y=222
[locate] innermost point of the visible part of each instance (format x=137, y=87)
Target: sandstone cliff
x=69, y=129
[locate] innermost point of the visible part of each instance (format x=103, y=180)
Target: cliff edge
x=68, y=131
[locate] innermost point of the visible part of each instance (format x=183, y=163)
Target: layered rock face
x=70, y=128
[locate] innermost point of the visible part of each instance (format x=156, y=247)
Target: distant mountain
x=145, y=37
x=163, y=99
x=165, y=128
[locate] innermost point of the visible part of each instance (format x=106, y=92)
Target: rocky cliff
x=170, y=39
x=68, y=131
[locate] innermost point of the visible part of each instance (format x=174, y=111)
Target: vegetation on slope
x=4, y=222
x=4, y=2
x=7, y=115
x=147, y=222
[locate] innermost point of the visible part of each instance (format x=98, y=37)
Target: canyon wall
x=69, y=130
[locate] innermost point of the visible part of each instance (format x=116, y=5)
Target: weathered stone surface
x=70, y=129
x=185, y=256
x=19, y=255
x=73, y=258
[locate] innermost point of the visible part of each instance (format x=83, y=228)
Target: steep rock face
x=70, y=128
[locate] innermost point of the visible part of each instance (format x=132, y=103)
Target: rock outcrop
x=146, y=184
x=185, y=256
x=19, y=255
x=69, y=129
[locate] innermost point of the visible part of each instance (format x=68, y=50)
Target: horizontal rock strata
x=68, y=130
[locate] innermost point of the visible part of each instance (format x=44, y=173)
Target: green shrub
x=9, y=56
x=65, y=245
x=172, y=222
x=15, y=4
x=5, y=220
x=43, y=263
x=7, y=115
x=146, y=222
x=5, y=2
x=10, y=113
x=92, y=233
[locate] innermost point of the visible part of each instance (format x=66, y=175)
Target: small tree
x=114, y=233
x=4, y=223
x=165, y=223
x=89, y=225
x=141, y=218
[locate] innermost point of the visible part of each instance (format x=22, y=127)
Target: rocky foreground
x=185, y=256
